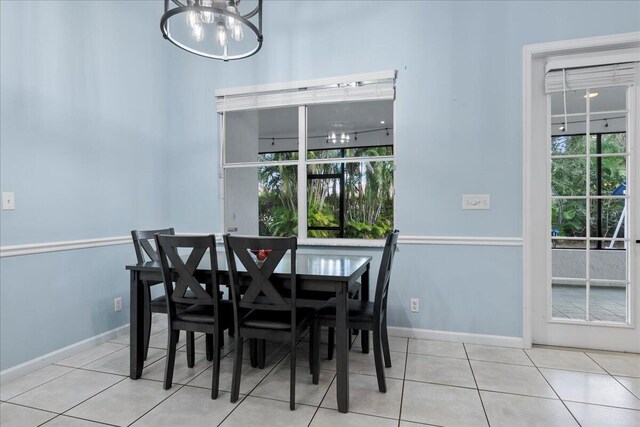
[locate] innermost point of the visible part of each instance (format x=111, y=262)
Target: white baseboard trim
x=57, y=355
x=462, y=337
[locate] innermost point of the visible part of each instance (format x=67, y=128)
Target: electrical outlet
x=117, y=304
x=8, y=201
x=415, y=305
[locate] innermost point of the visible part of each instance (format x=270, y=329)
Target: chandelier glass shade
x=216, y=29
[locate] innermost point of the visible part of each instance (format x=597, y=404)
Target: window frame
x=302, y=162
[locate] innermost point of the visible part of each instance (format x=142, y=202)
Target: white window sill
x=355, y=243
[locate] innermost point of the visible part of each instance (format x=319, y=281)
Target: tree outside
x=368, y=195
x=568, y=179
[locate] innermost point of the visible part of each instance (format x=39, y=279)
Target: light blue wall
x=84, y=137
x=458, y=130
x=107, y=127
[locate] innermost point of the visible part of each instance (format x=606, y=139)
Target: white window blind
x=378, y=86
x=591, y=77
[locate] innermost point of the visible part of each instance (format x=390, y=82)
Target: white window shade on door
x=367, y=87
x=591, y=77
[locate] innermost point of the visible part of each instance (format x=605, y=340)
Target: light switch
x=476, y=201
x=8, y=201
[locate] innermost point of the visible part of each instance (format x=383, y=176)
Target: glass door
x=591, y=290
x=590, y=231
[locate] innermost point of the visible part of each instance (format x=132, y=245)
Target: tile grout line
x=322, y=400
x=553, y=389
x=158, y=404
x=335, y=374
x=77, y=418
x=612, y=376
x=476, y=383
x=259, y=382
x=404, y=379
x=92, y=396
x=40, y=385
x=58, y=363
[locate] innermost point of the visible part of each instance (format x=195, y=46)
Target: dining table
x=331, y=274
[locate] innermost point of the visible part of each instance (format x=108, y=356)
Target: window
x=328, y=166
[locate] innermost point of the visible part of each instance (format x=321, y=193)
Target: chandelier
x=339, y=133
x=215, y=29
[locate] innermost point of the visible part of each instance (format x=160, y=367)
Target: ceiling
x=321, y=119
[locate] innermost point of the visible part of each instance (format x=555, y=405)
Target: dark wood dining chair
x=364, y=315
x=146, y=250
x=262, y=311
x=207, y=312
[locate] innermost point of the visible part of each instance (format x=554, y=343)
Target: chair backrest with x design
x=179, y=272
x=384, y=274
x=142, y=243
x=261, y=293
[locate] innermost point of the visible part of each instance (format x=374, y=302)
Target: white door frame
x=535, y=57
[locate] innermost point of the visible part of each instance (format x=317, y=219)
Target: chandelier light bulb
x=193, y=19
x=231, y=22
x=221, y=35
x=237, y=33
x=197, y=31
x=207, y=17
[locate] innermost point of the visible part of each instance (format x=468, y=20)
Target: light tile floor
x=430, y=383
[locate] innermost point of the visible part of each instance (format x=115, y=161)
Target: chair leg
x=315, y=348
x=292, y=379
x=237, y=369
x=208, y=343
x=331, y=342
x=385, y=342
x=261, y=350
x=377, y=357
x=172, y=340
x=191, y=350
x=215, y=380
x=147, y=320
x=232, y=326
x=350, y=339
x=253, y=352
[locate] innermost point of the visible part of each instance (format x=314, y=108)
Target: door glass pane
x=568, y=177
x=576, y=102
x=608, y=302
x=608, y=264
x=562, y=145
x=568, y=217
x=569, y=259
x=608, y=125
x=608, y=99
x=608, y=218
x=608, y=176
x=569, y=299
